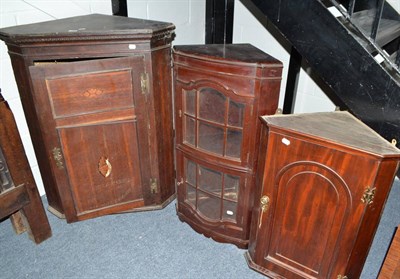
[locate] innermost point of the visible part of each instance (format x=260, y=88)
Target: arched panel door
x=312, y=206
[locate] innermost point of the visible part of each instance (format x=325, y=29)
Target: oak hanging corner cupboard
x=96, y=92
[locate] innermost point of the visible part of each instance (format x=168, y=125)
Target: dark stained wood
x=88, y=27
x=337, y=132
x=223, y=89
x=96, y=91
x=391, y=265
x=315, y=169
x=13, y=200
x=18, y=193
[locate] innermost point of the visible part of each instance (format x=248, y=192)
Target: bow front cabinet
x=220, y=91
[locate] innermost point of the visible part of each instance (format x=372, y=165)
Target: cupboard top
x=87, y=27
x=340, y=128
x=239, y=53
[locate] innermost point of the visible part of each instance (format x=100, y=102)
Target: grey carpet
x=146, y=245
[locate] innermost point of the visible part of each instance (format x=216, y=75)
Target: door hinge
x=153, y=185
x=368, y=196
x=144, y=83
x=58, y=157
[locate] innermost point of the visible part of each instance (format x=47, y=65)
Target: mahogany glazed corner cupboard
x=322, y=184
x=96, y=91
x=220, y=91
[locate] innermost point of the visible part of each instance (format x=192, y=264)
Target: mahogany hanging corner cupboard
x=322, y=184
x=96, y=92
x=220, y=91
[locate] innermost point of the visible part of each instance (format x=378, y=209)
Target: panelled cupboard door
x=310, y=207
x=93, y=131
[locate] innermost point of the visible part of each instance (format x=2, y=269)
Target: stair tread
x=388, y=29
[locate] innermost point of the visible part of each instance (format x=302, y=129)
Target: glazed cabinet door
x=212, y=121
x=210, y=194
x=213, y=153
x=309, y=209
x=93, y=130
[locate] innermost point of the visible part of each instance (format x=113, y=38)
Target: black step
x=388, y=29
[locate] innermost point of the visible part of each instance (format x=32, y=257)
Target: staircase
x=354, y=48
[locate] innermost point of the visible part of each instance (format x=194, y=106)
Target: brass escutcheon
x=104, y=166
x=368, y=196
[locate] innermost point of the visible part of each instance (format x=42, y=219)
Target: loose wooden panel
x=12, y=200
x=32, y=216
x=103, y=164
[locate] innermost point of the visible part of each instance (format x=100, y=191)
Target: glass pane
x=190, y=172
x=208, y=206
x=190, y=101
x=190, y=196
x=212, y=105
x=211, y=138
x=190, y=130
x=233, y=143
x=235, y=117
x=229, y=211
x=210, y=181
x=231, y=187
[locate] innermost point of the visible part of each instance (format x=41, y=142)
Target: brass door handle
x=264, y=205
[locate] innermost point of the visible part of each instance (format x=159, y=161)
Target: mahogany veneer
x=322, y=184
x=96, y=92
x=220, y=91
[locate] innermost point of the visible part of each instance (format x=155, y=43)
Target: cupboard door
x=211, y=196
x=93, y=130
x=213, y=122
x=102, y=164
x=309, y=209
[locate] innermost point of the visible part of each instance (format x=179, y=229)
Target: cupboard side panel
x=164, y=129
x=256, y=195
x=386, y=172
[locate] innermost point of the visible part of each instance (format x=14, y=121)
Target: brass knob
x=264, y=205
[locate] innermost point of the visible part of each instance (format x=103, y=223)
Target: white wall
x=395, y=4
x=187, y=15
